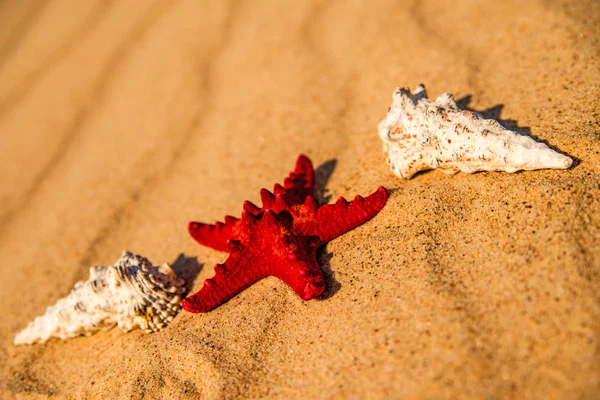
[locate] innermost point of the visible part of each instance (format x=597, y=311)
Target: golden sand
x=121, y=121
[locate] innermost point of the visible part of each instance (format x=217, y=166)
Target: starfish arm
x=215, y=236
x=299, y=183
x=297, y=186
x=300, y=271
x=237, y=273
x=332, y=220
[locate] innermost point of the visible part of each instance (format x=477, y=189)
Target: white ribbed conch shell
x=131, y=294
x=419, y=134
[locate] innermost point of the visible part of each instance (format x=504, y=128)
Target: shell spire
x=131, y=294
x=419, y=134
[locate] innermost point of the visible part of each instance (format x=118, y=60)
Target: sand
x=121, y=121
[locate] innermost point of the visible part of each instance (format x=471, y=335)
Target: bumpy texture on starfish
x=279, y=239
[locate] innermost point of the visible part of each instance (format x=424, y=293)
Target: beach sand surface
x=121, y=121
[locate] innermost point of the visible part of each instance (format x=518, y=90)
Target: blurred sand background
x=121, y=121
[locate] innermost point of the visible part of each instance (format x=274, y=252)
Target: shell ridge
x=130, y=294
x=419, y=134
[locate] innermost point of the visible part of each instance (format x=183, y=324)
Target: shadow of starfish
x=322, y=175
x=332, y=285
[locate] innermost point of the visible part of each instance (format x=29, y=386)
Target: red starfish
x=279, y=239
x=296, y=187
